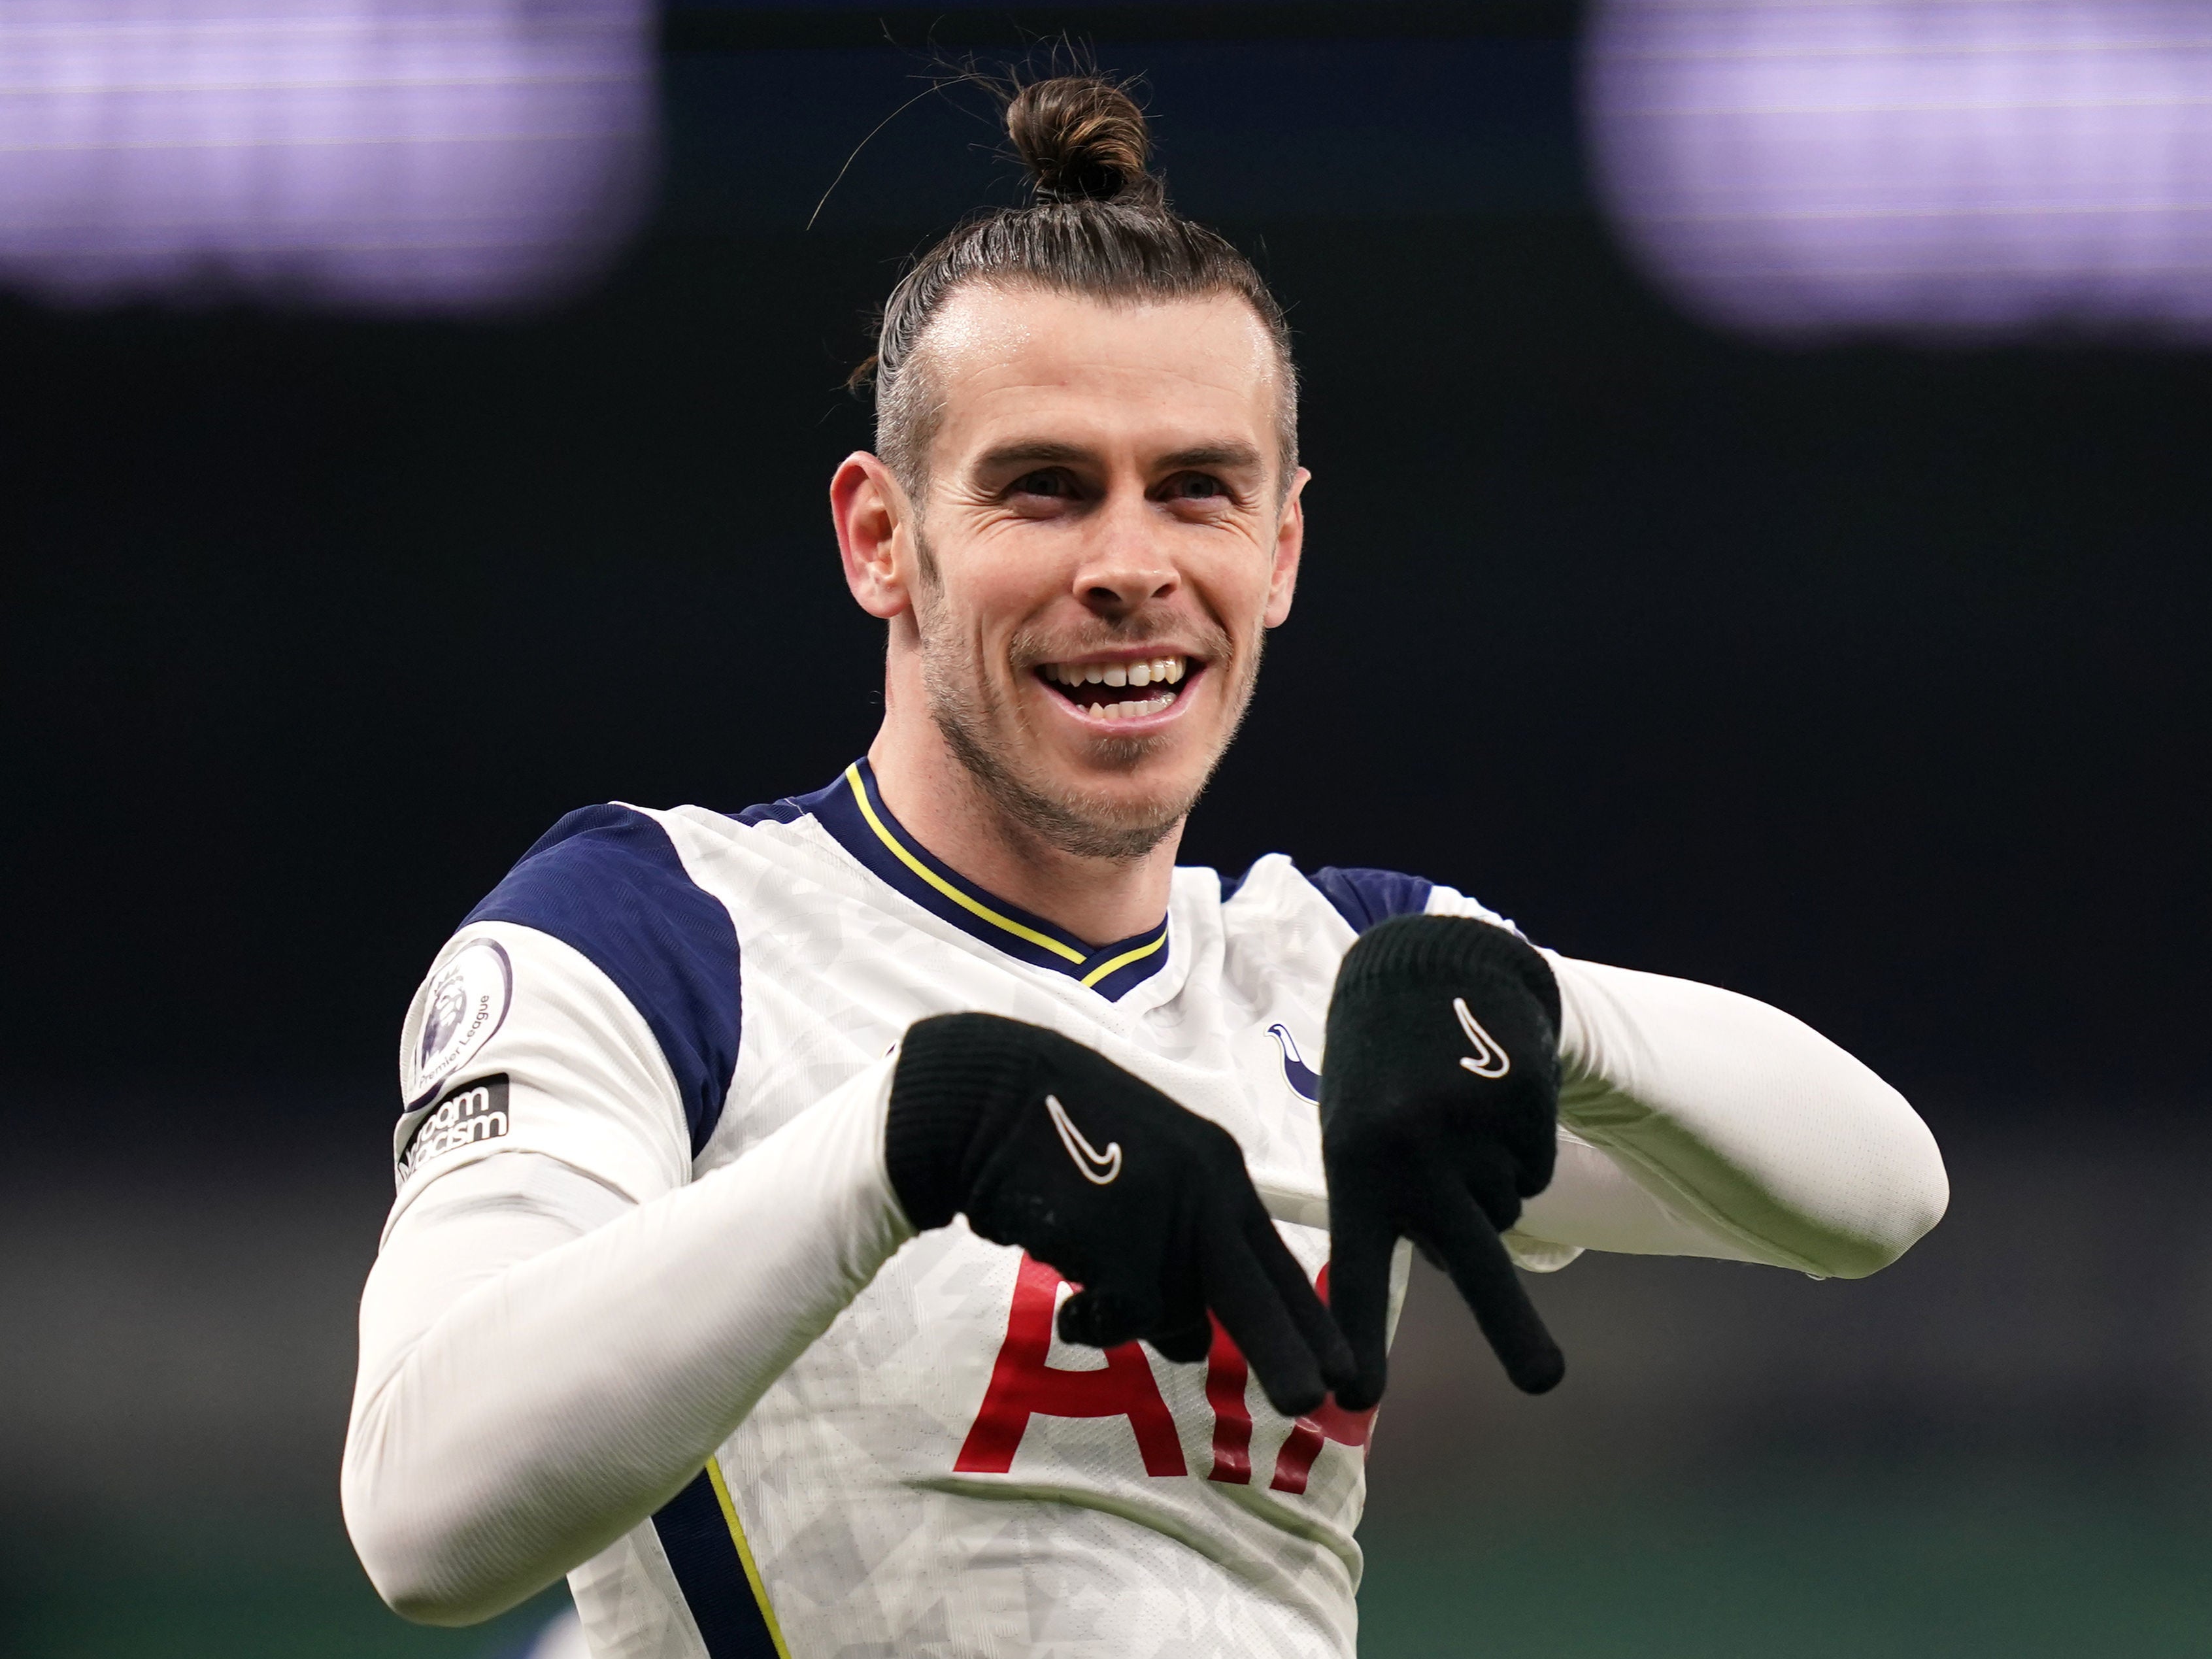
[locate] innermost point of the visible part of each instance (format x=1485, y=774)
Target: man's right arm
x=559, y=1330
x=570, y=1391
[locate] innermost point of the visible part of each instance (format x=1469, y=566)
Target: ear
x=1289, y=543
x=870, y=510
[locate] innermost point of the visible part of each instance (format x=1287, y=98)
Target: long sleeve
x=563, y=1323
x=544, y=1362
x=1695, y=1121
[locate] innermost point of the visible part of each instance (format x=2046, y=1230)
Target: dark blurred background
x=1862, y=671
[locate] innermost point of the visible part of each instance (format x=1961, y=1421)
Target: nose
x=1125, y=566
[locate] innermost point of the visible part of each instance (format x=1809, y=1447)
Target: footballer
x=917, y=1217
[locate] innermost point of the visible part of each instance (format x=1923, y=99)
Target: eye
x=1048, y=481
x=1195, y=488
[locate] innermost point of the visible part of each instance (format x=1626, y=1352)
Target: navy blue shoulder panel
x=607, y=881
x=1364, y=897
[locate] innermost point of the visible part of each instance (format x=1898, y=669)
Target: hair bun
x=1083, y=138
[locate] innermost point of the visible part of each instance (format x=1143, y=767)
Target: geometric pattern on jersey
x=607, y=882
x=852, y=809
x=714, y=1568
x=873, y=1534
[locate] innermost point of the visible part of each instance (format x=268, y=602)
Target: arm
x=1481, y=1096
x=563, y=1324
x=550, y=1349
x=1695, y=1121
x=502, y=1434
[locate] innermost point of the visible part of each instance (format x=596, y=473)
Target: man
x=896, y=1220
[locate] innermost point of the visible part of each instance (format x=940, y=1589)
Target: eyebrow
x=1037, y=450
x=1221, y=455
x=1044, y=451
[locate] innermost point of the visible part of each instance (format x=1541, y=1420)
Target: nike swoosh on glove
x=1044, y=1144
x=1439, y=1114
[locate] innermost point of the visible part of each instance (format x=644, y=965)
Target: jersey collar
x=854, y=812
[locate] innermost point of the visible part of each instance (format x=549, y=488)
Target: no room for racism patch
x=465, y=1113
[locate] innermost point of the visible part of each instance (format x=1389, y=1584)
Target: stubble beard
x=991, y=739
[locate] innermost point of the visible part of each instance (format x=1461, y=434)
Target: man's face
x=1104, y=536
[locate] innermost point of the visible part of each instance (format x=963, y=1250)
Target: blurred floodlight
x=370, y=154
x=1962, y=167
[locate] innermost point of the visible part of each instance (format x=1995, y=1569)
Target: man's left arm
x=1496, y=1103
x=1695, y=1121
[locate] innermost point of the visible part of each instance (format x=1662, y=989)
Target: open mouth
x=1121, y=690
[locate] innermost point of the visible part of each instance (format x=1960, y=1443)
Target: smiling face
x=1104, y=534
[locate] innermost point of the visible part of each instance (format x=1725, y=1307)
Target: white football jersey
x=938, y=1474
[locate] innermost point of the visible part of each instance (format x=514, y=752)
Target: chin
x=1088, y=809
x=1121, y=807
x=1101, y=796
x=1134, y=775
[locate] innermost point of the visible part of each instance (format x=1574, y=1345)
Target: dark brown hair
x=1099, y=225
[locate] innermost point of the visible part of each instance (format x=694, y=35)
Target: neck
x=942, y=803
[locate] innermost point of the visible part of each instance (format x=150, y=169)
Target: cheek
x=1236, y=585
x=997, y=585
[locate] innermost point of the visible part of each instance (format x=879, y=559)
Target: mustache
x=1208, y=641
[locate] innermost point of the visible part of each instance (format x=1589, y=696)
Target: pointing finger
x=1360, y=1242
x=1323, y=1337
x=1455, y=1228
x=1257, y=1316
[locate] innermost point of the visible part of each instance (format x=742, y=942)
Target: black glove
x=1439, y=1105
x=1043, y=1143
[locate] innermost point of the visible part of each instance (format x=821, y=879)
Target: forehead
x=1078, y=369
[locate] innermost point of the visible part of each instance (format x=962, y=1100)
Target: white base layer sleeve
x=546, y=1361
x=544, y=1364
x=1695, y=1121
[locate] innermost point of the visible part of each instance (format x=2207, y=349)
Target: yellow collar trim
x=971, y=905
x=1124, y=959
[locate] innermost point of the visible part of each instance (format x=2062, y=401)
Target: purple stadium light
x=1970, y=168
x=442, y=155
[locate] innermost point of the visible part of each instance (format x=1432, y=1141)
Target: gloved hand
x=1042, y=1143
x=1439, y=1106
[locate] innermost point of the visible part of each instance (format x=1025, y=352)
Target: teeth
x=1131, y=711
x=1159, y=671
